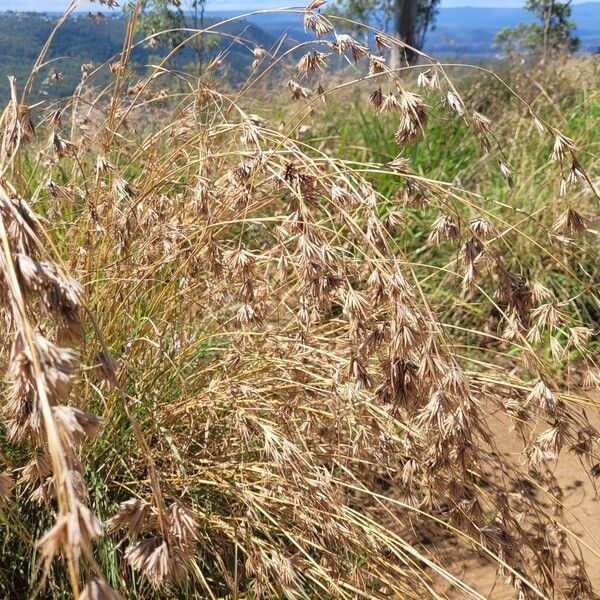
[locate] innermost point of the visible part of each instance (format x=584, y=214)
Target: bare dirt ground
x=583, y=511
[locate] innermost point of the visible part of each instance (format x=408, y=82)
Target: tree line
x=408, y=20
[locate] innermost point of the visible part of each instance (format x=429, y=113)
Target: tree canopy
x=551, y=32
x=380, y=13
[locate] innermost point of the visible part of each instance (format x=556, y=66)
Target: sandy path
x=583, y=513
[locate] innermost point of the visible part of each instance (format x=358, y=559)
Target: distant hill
x=466, y=31
x=80, y=40
x=472, y=30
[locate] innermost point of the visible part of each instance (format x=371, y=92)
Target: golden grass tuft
x=217, y=343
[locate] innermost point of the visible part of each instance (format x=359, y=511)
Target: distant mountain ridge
x=79, y=41
x=459, y=30
x=471, y=30
x=468, y=32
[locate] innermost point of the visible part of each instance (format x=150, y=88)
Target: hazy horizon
x=245, y=5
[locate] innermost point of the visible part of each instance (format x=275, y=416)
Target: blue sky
x=236, y=4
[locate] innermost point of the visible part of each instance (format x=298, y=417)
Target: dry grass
x=265, y=358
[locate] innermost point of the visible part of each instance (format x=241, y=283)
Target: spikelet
x=413, y=118
x=455, y=103
x=60, y=146
x=570, y=221
x=98, y=589
x=158, y=562
x=298, y=92
x=428, y=79
x=132, y=516
x=377, y=65
x=562, y=146
x=376, y=98
x=312, y=61
x=443, y=228
x=318, y=24
x=6, y=486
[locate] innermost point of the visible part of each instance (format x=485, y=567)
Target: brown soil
x=583, y=513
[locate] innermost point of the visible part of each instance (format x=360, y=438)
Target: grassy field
x=256, y=339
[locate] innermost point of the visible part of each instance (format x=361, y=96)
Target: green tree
x=169, y=16
x=552, y=32
x=161, y=15
x=199, y=7
x=409, y=20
